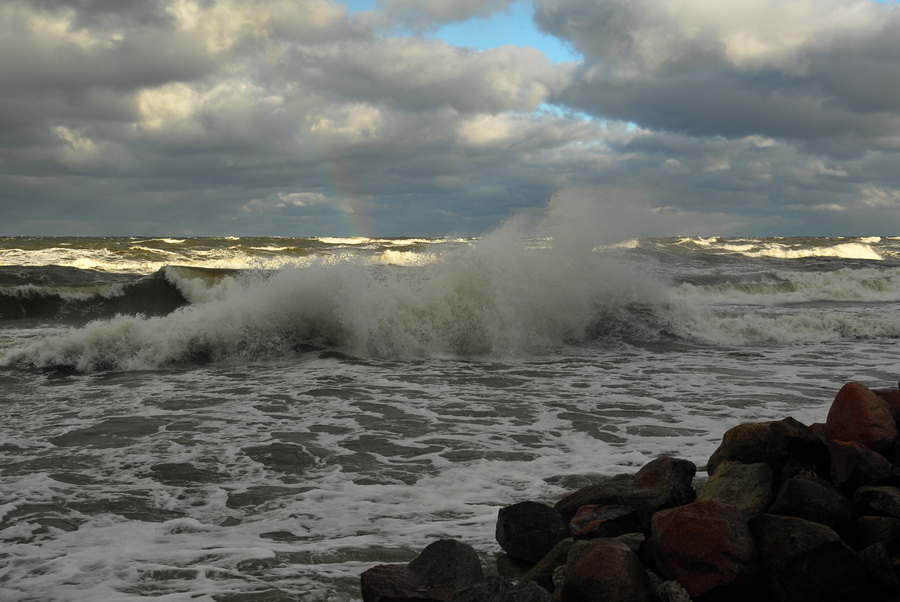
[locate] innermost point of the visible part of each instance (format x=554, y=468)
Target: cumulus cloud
x=285, y=116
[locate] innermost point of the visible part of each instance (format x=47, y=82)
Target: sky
x=447, y=117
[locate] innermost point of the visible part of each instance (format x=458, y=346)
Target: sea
x=266, y=418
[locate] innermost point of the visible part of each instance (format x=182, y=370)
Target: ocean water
x=265, y=418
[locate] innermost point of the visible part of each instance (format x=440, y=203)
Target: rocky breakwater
x=789, y=513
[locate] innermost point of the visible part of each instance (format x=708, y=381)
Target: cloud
x=821, y=73
x=300, y=118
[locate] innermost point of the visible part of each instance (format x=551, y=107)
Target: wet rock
x=814, y=502
x=593, y=521
x=773, y=442
x=704, y=546
x=663, y=483
x=805, y=561
x=891, y=397
x=859, y=415
x=604, y=570
x=449, y=562
x=501, y=589
x=748, y=487
x=528, y=530
x=854, y=465
x=396, y=583
x=879, y=500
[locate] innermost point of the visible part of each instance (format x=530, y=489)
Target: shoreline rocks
x=789, y=513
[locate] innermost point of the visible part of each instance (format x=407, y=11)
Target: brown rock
x=605, y=570
x=704, y=546
x=854, y=465
x=859, y=415
x=396, y=583
x=748, y=487
x=663, y=483
x=807, y=562
x=773, y=442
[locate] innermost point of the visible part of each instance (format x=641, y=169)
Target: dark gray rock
x=805, y=561
x=814, y=502
x=501, y=589
x=663, y=483
x=879, y=500
x=449, y=562
x=528, y=530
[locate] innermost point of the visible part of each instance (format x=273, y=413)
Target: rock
x=880, y=567
x=449, y=562
x=634, y=541
x=814, y=502
x=396, y=583
x=663, y=483
x=854, y=465
x=704, y=546
x=542, y=572
x=528, y=530
x=879, y=500
x=805, y=561
x=593, y=521
x=869, y=530
x=773, y=442
x=501, y=589
x=859, y=415
x=604, y=570
x=748, y=487
x=892, y=398
x=672, y=591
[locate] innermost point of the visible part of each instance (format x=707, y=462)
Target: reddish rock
x=859, y=415
x=704, y=546
x=605, y=570
x=807, y=562
x=773, y=442
x=542, y=572
x=396, y=583
x=663, y=483
x=854, y=465
x=594, y=521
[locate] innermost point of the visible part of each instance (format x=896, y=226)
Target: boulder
x=528, y=530
x=542, y=572
x=663, y=483
x=593, y=521
x=857, y=414
x=892, y=398
x=854, y=465
x=604, y=570
x=805, y=561
x=501, y=589
x=748, y=487
x=870, y=530
x=772, y=442
x=814, y=502
x=396, y=583
x=449, y=562
x=879, y=500
x=704, y=546
x=880, y=567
